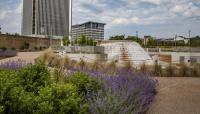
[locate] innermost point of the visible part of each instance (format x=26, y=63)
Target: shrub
x=83, y=82
x=34, y=77
x=48, y=57
x=96, y=65
x=169, y=71
x=19, y=101
x=111, y=67
x=1, y=109
x=158, y=70
x=123, y=94
x=58, y=75
x=183, y=70
x=36, y=48
x=67, y=62
x=8, y=81
x=3, y=48
x=59, y=98
x=128, y=66
x=13, y=48
x=194, y=70
x=25, y=45
x=82, y=65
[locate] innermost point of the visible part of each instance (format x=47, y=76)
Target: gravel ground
x=27, y=56
x=177, y=96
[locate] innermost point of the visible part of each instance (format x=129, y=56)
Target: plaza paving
x=177, y=96
x=27, y=56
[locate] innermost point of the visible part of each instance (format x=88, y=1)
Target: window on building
x=182, y=59
x=193, y=60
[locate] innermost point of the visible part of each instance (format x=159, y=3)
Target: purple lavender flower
x=13, y=65
x=8, y=53
x=125, y=93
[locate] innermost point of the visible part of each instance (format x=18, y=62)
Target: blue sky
x=160, y=18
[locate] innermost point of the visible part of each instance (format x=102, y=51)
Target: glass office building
x=46, y=17
x=90, y=29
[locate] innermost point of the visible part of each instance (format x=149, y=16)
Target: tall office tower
x=46, y=17
x=93, y=30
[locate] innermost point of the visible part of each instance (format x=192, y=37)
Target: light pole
x=175, y=40
x=137, y=34
x=45, y=29
x=0, y=29
x=189, y=33
x=70, y=21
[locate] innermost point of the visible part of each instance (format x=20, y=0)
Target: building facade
x=46, y=17
x=92, y=30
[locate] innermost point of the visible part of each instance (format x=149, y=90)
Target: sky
x=158, y=18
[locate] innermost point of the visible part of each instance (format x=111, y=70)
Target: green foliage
x=135, y=38
x=34, y=77
x=84, y=41
x=117, y=37
x=25, y=45
x=90, y=42
x=66, y=41
x=29, y=91
x=13, y=48
x=195, y=41
x=59, y=99
x=20, y=101
x=1, y=109
x=58, y=75
x=13, y=98
x=3, y=48
x=84, y=82
x=8, y=80
x=151, y=42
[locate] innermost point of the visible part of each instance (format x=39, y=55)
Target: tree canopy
x=117, y=37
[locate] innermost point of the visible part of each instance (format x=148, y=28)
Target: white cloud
x=152, y=1
x=116, y=13
x=3, y=14
x=10, y=18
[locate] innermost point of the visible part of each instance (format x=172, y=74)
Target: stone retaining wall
x=17, y=42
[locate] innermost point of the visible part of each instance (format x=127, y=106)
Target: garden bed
x=7, y=53
x=27, y=88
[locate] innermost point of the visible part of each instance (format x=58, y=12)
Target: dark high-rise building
x=46, y=17
x=90, y=29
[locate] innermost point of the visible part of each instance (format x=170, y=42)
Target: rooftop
x=89, y=22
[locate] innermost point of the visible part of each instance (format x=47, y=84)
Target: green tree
x=135, y=38
x=82, y=40
x=152, y=42
x=195, y=41
x=117, y=37
x=66, y=41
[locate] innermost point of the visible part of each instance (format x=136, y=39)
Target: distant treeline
x=153, y=42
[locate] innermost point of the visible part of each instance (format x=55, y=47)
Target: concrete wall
x=176, y=57
x=14, y=41
x=87, y=57
x=81, y=49
x=175, y=49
